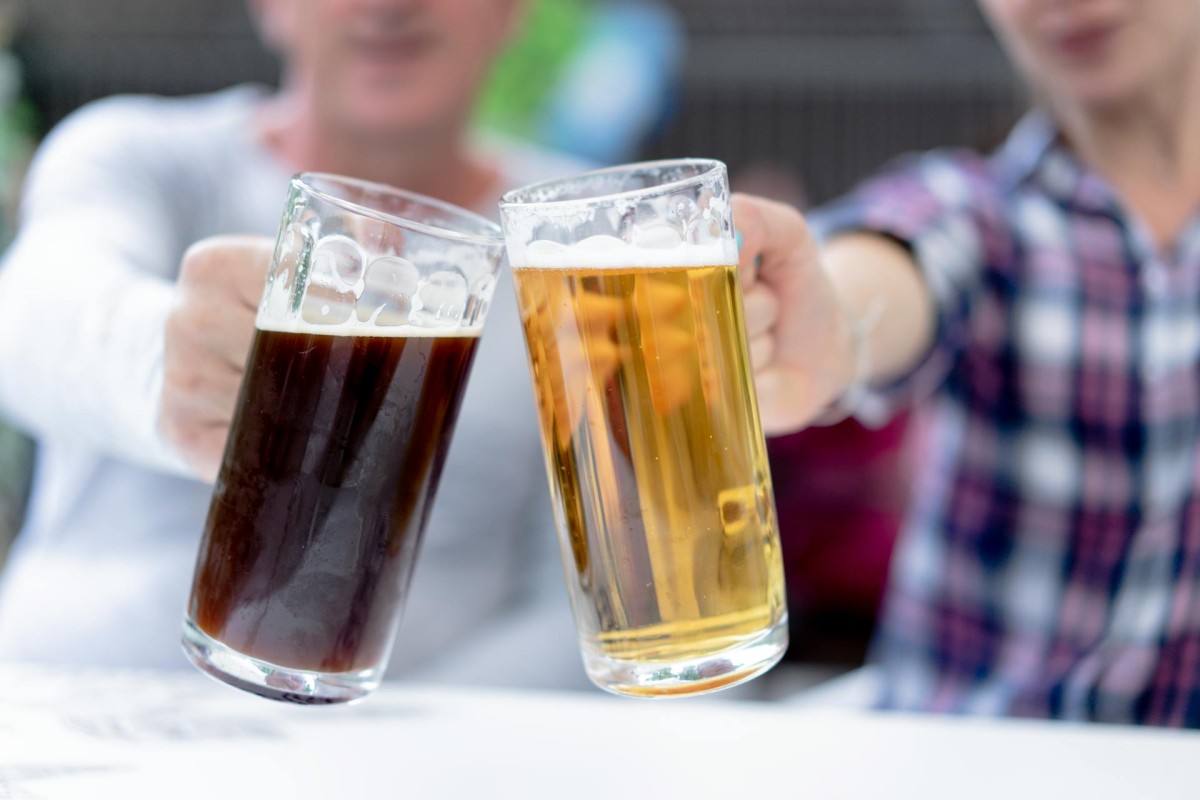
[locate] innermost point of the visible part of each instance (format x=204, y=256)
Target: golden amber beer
x=656, y=459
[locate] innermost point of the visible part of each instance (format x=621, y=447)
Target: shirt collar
x=1023, y=151
x=1036, y=153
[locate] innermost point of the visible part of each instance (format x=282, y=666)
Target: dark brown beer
x=329, y=476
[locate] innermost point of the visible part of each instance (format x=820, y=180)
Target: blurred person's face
x=389, y=66
x=1097, y=52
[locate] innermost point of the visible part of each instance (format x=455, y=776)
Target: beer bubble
x=705, y=230
x=608, y=252
x=441, y=299
x=389, y=285
x=328, y=298
x=602, y=243
x=681, y=211
x=317, y=312
x=545, y=249
x=737, y=506
x=656, y=236
x=341, y=259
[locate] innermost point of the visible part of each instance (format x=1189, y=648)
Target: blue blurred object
x=619, y=86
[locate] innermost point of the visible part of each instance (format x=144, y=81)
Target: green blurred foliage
x=527, y=73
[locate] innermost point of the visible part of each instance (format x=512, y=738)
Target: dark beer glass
x=373, y=306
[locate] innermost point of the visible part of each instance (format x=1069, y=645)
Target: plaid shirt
x=1050, y=564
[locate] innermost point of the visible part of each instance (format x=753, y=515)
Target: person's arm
x=84, y=296
x=821, y=318
x=86, y=293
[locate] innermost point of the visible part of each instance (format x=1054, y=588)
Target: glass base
x=696, y=676
x=271, y=680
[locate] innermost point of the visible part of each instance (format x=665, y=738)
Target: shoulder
x=916, y=192
x=950, y=177
x=144, y=124
x=136, y=141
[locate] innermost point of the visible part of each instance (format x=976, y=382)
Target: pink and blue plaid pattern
x=1050, y=565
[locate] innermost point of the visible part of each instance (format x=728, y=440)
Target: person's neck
x=1148, y=148
x=432, y=161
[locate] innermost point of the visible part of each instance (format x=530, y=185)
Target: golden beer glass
x=627, y=286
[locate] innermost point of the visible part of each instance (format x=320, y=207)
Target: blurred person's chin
x=1106, y=83
x=1108, y=67
x=376, y=101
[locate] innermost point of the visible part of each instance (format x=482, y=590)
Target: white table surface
x=182, y=735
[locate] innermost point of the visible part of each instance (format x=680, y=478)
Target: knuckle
x=197, y=264
x=210, y=259
x=186, y=324
x=189, y=382
x=170, y=426
x=187, y=371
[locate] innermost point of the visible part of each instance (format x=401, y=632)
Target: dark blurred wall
x=829, y=89
x=824, y=89
x=73, y=51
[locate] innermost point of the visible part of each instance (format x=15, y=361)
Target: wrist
x=850, y=399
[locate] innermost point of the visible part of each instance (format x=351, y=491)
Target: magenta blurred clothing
x=840, y=493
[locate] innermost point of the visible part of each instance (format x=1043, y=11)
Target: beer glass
x=372, y=310
x=628, y=292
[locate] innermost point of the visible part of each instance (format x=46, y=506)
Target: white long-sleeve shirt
x=101, y=572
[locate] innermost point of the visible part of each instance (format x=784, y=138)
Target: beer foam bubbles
x=370, y=327
x=655, y=246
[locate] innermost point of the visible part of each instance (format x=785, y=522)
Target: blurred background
x=799, y=97
x=824, y=88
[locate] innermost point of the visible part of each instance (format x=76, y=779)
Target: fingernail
x=737, y=238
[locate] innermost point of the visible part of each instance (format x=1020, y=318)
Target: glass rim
x=304, y=182
x=512, y=198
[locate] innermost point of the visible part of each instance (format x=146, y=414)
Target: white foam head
x=356, y=327
x=653, y=248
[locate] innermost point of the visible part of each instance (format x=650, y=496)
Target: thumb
x=235, y=265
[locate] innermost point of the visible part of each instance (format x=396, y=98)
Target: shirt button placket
x=1155, y=285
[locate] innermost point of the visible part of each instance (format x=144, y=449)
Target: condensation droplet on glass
x=339, y=261
x=682, y=212
x=389, y=289
x=706, y=230
x=736, y=505
x=442, y=299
